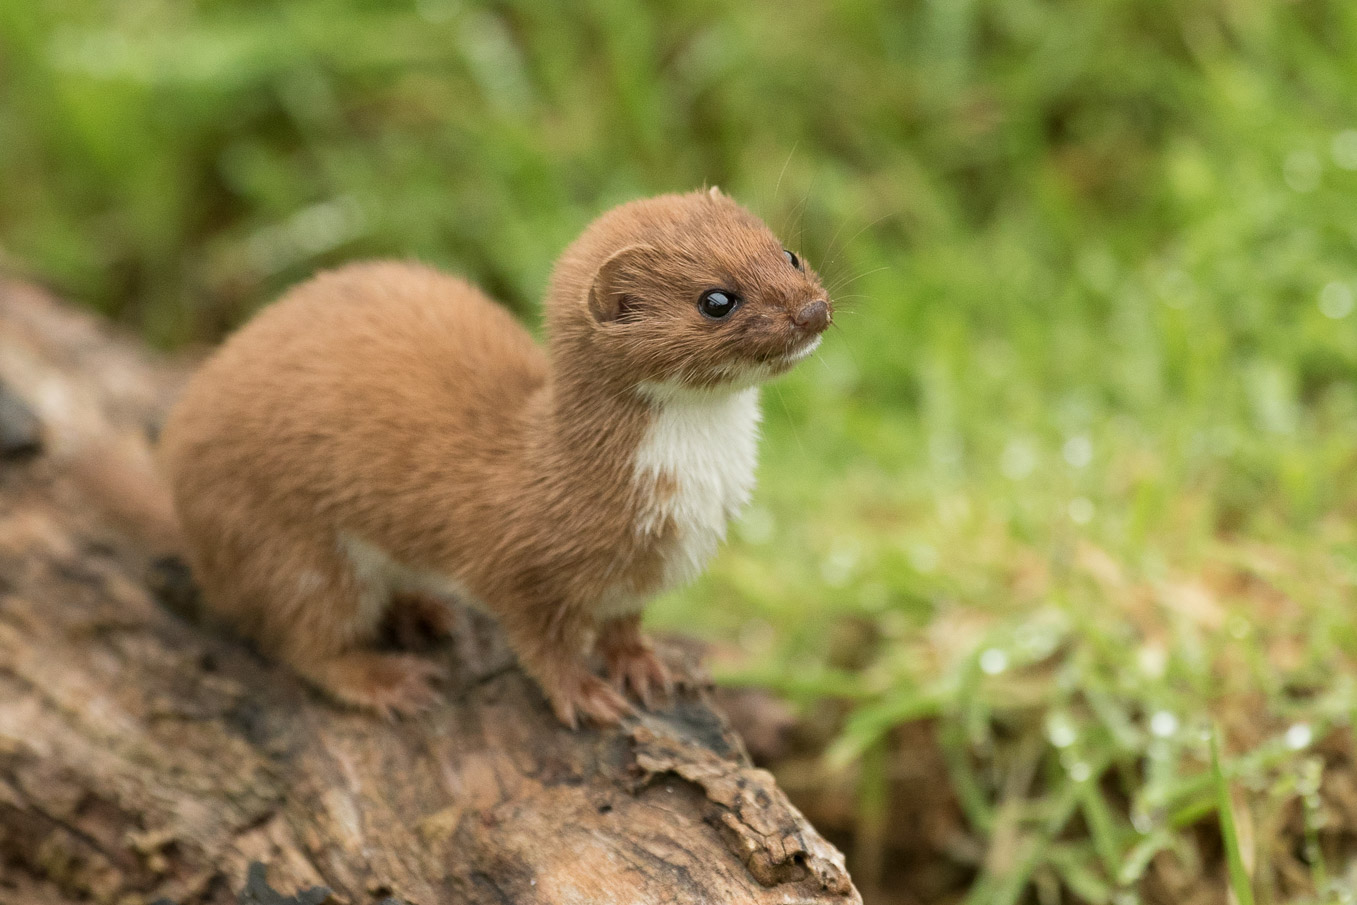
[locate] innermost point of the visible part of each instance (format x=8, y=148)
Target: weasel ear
x=615, y=284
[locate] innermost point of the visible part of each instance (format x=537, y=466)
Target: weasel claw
x=595, y=700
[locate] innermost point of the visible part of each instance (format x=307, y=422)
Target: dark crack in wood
x=20, y=432
x=257, y=891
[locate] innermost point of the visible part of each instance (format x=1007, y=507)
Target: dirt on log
x=144, y=756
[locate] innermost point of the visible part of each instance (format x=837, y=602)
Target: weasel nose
x=813, y=317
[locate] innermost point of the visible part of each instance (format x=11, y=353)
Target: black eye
x=792, y=259
x=718, y=304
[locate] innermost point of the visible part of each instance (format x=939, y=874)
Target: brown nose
x=813, y=317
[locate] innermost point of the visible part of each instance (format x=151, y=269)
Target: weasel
x=386, y=430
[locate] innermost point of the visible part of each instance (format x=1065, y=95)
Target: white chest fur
x=695, y=470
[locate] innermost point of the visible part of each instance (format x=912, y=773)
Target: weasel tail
x=119, y=479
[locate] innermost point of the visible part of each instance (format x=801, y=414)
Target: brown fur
x=120, y=477
x=395, y=405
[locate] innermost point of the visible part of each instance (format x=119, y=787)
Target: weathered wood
x=145, y=756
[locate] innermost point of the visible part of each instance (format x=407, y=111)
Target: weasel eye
x=792, y=259
x=718, y=304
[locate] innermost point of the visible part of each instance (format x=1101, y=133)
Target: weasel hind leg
x=308, y=606
x=417, y=620
x=335, y=652
x=388, y=684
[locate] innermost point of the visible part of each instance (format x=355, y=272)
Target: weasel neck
x=585, y=414
x=701, y=438
x=598, y=430
x=585, y=424
x=663, y=467
x=694, y=472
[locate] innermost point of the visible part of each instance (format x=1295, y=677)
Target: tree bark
x=145, y=756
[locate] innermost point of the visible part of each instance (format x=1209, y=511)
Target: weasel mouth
x=752, y=372
x=790, y=358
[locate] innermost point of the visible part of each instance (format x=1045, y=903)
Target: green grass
x=1240, y=885
x=1072, y=482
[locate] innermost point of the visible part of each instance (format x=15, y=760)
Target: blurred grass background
x=1067, y=498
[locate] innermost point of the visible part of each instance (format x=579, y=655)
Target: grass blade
x=1239, y=877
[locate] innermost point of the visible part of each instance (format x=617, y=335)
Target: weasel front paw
x=630, y=660
x=585, y=694
x=638, y=667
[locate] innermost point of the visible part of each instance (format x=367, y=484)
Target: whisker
x=852, y=238
x=792, y=217
x=796, y=433
x=848, y=344
x=829, y=262
x=848, y=283
x=787, y=163
x=801, y=213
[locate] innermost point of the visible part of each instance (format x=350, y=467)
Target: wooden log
x=144, y=756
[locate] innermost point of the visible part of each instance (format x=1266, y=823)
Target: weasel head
x=689, y=291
